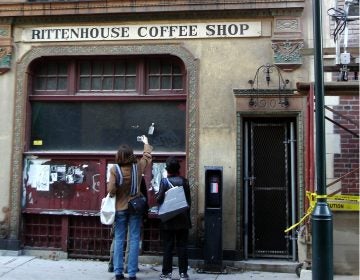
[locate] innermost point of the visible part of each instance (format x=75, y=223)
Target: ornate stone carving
x=287, y=25
x=5, y=59
x=287, y=28
x=287, y=54
x=5, y=48
x=287, y=41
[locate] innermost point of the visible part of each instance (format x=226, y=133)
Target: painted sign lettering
x=143, y=32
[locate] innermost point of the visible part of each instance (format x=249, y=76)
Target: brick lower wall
x=348, y=158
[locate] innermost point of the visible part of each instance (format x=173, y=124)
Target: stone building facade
x=219, y=81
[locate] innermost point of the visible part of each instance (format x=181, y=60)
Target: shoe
x=132, y=278
x=119, y=277
x=165, y=276
x=184, y=276
x=110, y=268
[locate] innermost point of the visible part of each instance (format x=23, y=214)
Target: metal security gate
x=269, y=188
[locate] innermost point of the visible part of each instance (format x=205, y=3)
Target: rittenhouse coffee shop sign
x=143, y=32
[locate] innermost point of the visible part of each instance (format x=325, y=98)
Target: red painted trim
x=311, y=140
x=309, y=145
x=102, y=97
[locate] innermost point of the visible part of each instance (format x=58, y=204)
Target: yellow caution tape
x=343, y=203
x=345, y=197
x=336, y=203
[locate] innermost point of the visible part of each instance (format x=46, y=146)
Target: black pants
x=169, y=237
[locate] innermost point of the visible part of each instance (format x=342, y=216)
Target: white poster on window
x=42, y=177
x=158, y=172
x=37, y=174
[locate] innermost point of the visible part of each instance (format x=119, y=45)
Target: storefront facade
x=84, y=77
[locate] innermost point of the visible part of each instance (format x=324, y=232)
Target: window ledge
x=104, y=97
x=94, y=153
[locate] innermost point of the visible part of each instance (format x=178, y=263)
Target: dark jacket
x=181, y=221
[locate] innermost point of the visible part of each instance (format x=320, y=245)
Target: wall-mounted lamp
x=267, y=70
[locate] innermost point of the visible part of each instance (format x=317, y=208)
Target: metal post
x=322, y=226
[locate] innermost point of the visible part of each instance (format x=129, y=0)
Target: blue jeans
x=122, y=221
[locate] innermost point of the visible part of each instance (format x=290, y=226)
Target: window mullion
x=72, y=74
x=141, y=77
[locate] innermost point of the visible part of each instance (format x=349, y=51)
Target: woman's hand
x=145, y=139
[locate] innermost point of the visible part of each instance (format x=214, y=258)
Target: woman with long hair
x=124, y=182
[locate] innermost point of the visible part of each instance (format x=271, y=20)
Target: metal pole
x=322, y=225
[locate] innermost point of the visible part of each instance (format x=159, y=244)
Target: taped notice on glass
x=42, y=173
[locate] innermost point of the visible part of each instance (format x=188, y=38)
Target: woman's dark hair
x=172, y=165
x=125, y=155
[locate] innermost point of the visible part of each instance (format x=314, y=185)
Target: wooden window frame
x=32, y=80
x=73, y=91
x=173, y=61
x=125, y=91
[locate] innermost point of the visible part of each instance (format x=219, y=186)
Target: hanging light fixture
x=266, y=71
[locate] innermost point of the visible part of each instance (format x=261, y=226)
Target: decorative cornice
x=149, y=6
x=177, y=15
x=263, y=92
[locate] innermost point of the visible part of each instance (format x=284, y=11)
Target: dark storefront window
x=94, y=104
x=88, y=126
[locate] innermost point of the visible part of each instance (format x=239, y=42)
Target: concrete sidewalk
x=34, y=268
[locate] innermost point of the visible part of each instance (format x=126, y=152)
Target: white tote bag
x=107, y=210
x=174, y=203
